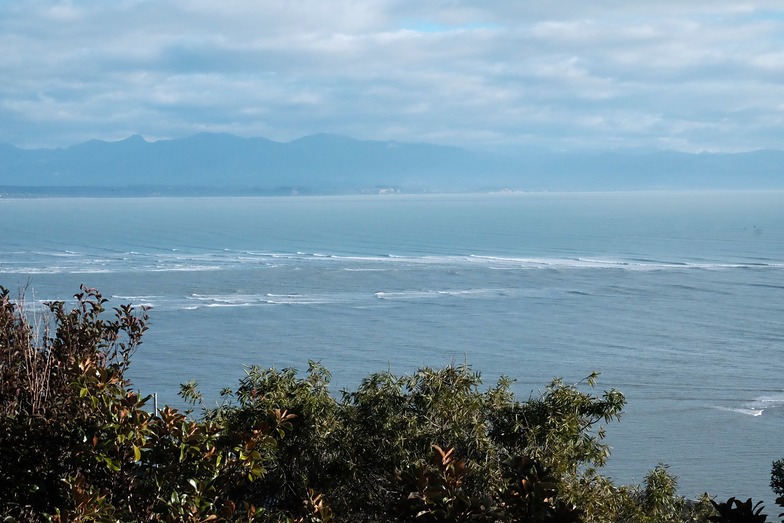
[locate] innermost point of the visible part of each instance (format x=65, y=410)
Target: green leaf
x=112, y=464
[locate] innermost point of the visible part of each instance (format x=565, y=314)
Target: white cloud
x=699, y=75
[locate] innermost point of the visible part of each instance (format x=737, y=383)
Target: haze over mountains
x=329, y=164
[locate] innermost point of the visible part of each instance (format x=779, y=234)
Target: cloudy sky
x=562, y=74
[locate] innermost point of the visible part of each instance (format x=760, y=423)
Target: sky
x=699, y=75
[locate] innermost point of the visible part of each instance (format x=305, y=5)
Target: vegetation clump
x=78, y=444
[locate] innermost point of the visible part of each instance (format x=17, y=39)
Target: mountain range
x=329, y=164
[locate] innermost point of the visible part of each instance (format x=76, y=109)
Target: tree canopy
x=79, y=444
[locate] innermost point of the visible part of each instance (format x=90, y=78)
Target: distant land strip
x=222, y=164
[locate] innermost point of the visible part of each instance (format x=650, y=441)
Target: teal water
x=676, y=298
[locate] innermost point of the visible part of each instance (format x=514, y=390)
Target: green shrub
x=78, y=444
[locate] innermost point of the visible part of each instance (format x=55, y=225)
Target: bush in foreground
x=78, y=444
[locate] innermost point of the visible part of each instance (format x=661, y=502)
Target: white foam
x=404, y=295
x=759, y=405
x=213, y=305
x=254, y=300
x=468, y=292
x=228, y=299
x=178, y=261
x=407, y=295
x=747, y=412
x=769, y=401
x=57, y=254
x=299, y=299
x=186, y=268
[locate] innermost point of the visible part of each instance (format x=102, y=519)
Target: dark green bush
x=78, y=444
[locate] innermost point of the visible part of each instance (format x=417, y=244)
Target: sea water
x=677, y=299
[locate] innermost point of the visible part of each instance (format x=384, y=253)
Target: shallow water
x=676, y=298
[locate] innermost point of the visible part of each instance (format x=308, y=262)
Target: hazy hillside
x=226, y=164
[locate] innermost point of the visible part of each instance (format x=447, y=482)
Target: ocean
x=676, y=298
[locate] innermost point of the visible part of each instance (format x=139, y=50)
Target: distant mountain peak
x=325, y=138
x=333, y=163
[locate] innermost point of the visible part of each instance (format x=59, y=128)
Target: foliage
x=64, y=404
x=777, y=483
x=77, y=443
x=736, y=511
x=437, y=492
x=301, y=414
x=777, y=477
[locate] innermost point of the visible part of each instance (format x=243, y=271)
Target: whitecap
x=747, y=412
x=768, y=402
x=229, y=304
x=185, y=268
x=405, y=295
x=759, y=405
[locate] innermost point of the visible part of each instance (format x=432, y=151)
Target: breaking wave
x=56, y=262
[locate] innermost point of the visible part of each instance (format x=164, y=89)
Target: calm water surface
x=676, y=298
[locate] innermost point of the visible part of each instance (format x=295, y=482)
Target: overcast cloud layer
x=562, y=74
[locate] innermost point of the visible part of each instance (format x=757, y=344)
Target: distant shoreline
x=29, y=193
x=226, y=165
